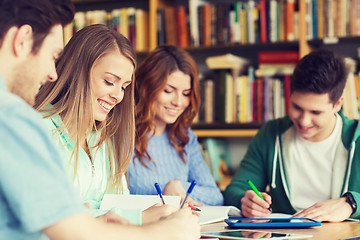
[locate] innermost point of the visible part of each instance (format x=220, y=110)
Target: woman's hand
x=156, y=212
x=175, y=188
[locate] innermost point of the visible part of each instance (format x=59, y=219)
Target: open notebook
x=211, y=214
x=136, y=201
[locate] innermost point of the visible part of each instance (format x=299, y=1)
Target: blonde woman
x=90, y=112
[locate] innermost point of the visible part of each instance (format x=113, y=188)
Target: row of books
x=244, y=99
x=131, y=22
x=332, y=18
x=207, y=24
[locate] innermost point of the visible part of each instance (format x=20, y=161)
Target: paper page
x=136, y=201
x=280, y=215
x=211, y=214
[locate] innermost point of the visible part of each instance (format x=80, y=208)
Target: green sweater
x=264, y=165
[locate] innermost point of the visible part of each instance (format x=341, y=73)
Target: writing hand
x=111, y=217
x=253, y=206
x=333, y=210
x=175, y=188
x=156, y=212
x=181, y=225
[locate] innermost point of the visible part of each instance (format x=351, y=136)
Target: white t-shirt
x=309, y=168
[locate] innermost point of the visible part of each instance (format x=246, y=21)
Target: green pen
x=257, y=192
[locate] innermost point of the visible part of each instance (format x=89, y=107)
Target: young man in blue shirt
x=35, y=194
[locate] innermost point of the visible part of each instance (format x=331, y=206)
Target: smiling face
x=313, y=115
x=111, y=74
x=172, y=101
x=38, y=68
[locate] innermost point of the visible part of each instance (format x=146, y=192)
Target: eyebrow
x=118, y=78
x=312, y=110
x=176, y=88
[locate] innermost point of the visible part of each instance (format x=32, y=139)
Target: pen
x=194, y=208
x=192, y=185
x=159, y=192
x=257, y=192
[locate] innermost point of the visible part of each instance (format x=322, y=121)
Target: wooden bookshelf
x=302, y=44
x=227, y=133
x=232, y=130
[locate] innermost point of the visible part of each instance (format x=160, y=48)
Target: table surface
x=327, y=231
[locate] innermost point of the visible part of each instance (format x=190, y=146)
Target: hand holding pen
x=159, y=192
x=192, y=185
x=258, y=193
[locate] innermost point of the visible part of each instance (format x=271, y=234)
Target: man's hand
x=111, y=217
x=252, y=206
x=333, y=210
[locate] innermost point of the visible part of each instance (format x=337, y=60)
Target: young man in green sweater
x=309, y=158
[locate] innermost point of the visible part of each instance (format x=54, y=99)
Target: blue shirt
x=34, y=189
x=167, y=165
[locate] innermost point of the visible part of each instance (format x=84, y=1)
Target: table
x=327, y=231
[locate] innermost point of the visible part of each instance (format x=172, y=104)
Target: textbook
x=212, y=214
x=136, y=201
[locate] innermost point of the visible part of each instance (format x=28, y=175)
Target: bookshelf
x=300, y=42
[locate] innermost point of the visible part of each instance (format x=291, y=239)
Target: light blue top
x=92, y=177
x=167, y=165
x=34, y=189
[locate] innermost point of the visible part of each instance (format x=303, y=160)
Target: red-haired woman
x=166, y=150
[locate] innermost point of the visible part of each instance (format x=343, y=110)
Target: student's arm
x=206, y=191
x=253, y=167
x=333, y=210
x=180, y=225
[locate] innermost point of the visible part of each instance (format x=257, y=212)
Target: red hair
x=151, y=78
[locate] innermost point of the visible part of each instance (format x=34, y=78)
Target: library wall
x=271, y=35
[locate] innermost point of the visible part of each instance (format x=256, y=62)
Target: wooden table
x=327, y=231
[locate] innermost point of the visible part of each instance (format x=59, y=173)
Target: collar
x=2, y=84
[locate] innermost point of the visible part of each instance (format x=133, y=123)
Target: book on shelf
x=181, y=27
x=131, y=12
x=160, y=18
x=170, y=25
x=278, y=57
x=142, y=30
x=226, y=61
x=209, y=97
x=350, y=103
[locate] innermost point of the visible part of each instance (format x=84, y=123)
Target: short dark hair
x=320, y=72
x=41, y=15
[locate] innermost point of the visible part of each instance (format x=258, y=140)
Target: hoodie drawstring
x=273, y=184
x=351, y=157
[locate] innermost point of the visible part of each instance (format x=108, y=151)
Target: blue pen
x=192, y=185
x=159, y=192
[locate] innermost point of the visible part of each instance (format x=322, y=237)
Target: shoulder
x=351, y=129
x=273, y=128
x=14, y=110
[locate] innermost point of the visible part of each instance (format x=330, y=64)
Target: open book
x=211, y=214
x=136, y=201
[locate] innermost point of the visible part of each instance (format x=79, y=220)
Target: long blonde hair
x=71, y=98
